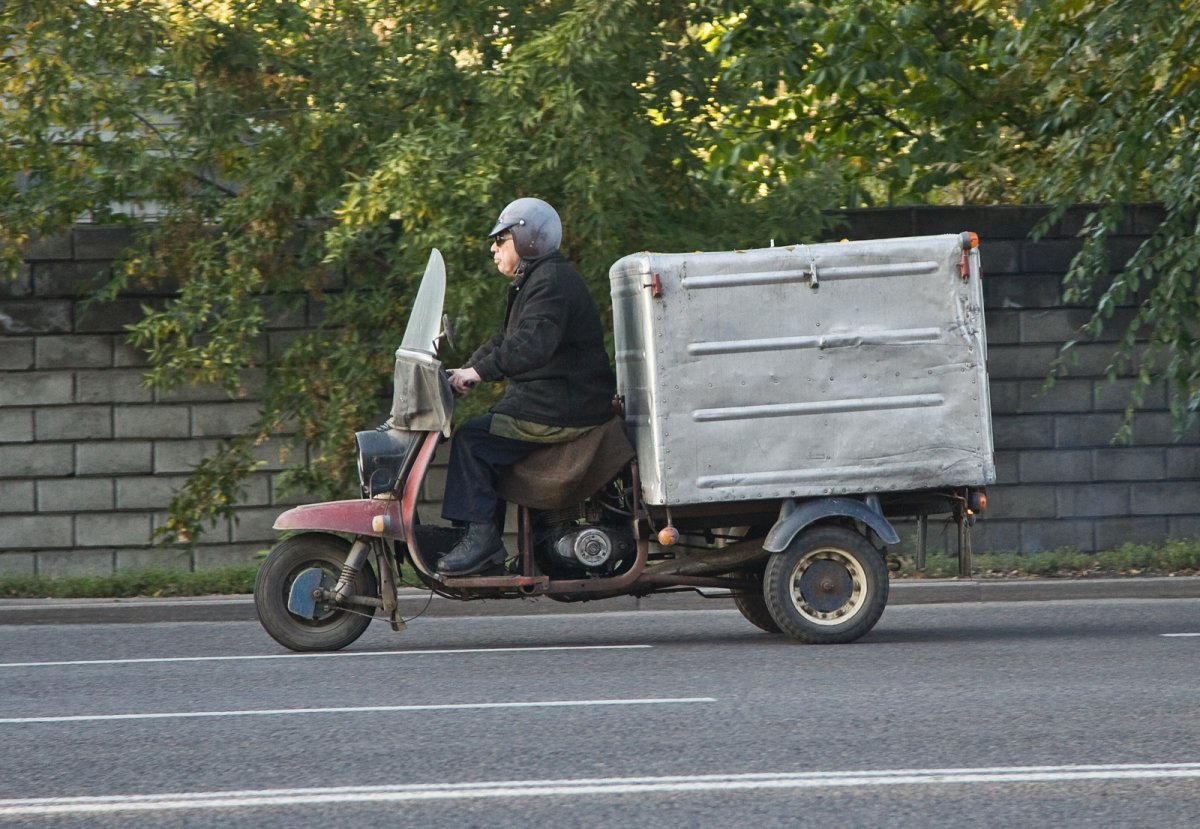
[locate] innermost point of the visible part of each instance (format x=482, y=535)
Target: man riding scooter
x=863, y=395
x=560, y=384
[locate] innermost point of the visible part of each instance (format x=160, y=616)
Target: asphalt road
x=1030, y=714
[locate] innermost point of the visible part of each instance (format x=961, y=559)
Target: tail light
x=977, y=500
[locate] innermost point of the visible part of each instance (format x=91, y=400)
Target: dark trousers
x=476, y=459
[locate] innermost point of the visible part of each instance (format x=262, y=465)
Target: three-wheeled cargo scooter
x=778, y=409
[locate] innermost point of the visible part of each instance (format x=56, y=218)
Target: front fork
x=388, y=566
x=306, y=591
x=371, y=528
x=354, y=563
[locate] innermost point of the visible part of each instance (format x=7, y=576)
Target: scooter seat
x=563, y=474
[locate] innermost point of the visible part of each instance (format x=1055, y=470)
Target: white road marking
x=512, y=789
x=18, y=605
x=1171, y=635
x=361, y=709
x=124, y=604
x=441, y=652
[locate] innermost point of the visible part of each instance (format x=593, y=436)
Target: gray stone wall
x=89, y=456
x=1061, y=480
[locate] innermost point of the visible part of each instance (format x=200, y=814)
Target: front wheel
x=829, y=586
x=332, y=627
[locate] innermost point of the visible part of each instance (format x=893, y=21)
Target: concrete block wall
x=89, y=457
x=1061, y=480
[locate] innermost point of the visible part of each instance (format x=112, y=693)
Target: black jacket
x=551, y=350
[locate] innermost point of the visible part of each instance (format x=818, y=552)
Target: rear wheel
x=753, y=606
x=332, y=627
x=829, y=586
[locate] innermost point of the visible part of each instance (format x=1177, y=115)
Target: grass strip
x=146, y=583
x=1172, y=558
x=1179, y=557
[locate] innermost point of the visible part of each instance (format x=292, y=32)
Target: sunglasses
x=499, y=239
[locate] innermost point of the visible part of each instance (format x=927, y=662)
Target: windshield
x=425, y=319
x=421, y=396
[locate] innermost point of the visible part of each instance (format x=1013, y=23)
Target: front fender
x=354, y=517
x=795, y=517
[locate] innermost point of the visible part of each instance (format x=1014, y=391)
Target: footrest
x=496, y=581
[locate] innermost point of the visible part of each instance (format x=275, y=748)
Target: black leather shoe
x=480, y=547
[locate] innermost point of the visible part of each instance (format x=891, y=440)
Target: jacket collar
x=528, y=266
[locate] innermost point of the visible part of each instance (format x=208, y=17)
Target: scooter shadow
x=448, y=633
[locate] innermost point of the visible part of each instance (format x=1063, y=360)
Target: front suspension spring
x=344, y=582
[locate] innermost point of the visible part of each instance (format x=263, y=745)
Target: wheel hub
x=308, y=596
x=828, y=586
x=305, y=592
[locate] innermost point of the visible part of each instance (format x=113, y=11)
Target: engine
x=567, y=545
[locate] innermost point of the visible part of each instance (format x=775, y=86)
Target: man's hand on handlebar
x=462, y=380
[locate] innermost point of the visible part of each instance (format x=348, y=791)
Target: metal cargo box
x=804, y=370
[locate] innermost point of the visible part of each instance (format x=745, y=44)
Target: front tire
x=829, y=586
x=334, y=627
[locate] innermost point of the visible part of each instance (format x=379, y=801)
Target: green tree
x=1059, y=102
x=909, y=102
x=282, y=146
x=285, y=146
x=1117, y=111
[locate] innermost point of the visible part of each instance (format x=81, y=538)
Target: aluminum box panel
x=804, y=370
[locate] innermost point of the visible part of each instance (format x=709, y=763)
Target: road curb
x=415, y=602
x=1033, y=590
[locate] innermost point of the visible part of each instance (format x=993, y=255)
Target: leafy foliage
x=1120, y=111
x=1175, y=557
x=908, y=102
x=1064, y=102
x=284, y=149
x=148, y=583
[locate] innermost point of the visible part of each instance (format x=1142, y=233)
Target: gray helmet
x=535, y=227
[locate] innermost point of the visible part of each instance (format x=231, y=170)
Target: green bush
x=155, y=583
x=1176, y=556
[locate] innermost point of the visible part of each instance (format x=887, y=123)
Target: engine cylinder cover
x=591, y=546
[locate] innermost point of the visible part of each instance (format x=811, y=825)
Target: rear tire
x=333, y=628
x=753, y=606
x=829, y=586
